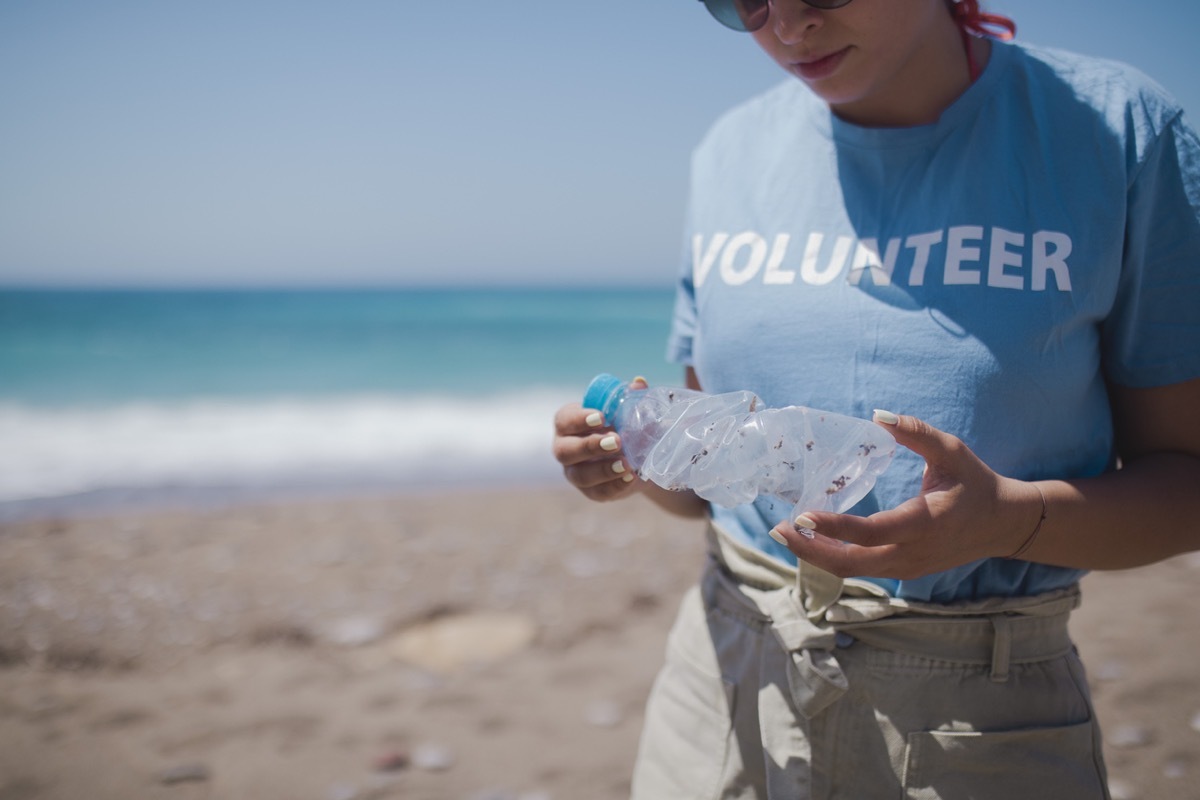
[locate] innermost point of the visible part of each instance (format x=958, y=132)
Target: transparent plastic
x=729, y=449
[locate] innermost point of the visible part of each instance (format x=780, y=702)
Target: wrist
x=1034, y=520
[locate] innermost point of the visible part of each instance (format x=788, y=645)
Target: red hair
x=971, y=20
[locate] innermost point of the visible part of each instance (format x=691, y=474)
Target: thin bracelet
x=1038, y=529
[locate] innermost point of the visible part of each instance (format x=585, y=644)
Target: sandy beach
x=493, y=645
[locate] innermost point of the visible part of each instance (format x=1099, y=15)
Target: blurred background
x=378, y=143
x=255, y=245
x=350, y=257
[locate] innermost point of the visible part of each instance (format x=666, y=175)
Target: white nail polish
x=777, y=536
x=627, y=477
x=805, y=521
x=618, y=467
x=886, y=417
x=609, y=443
x=595, y=419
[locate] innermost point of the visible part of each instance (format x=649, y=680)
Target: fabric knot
x=815, y=678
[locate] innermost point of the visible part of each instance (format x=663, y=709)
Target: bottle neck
x=612, y=403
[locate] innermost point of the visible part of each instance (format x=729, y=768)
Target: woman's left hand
x=964, y=512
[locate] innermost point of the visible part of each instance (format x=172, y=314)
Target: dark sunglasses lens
x=741, y=15
x=827, y=4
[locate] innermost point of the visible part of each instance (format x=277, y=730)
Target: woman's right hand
x=590, y=454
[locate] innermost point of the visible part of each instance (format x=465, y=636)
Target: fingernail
x=886, y=417
x=777, y=536
x=595, y=419
x=639, y=378
x=609, y=443
x=618, y=467
x=805, y=522
x=628, y=477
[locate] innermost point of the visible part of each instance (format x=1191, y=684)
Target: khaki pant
x=786, y=684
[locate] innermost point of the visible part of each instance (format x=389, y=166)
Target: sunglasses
x=750, y=15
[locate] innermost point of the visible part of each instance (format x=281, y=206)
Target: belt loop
x=1001, y=646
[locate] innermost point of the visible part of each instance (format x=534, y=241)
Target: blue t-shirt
x=986, y=273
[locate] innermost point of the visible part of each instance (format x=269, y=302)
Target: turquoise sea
x=109, y=398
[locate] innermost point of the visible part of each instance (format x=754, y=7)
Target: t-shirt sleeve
x=682, y=337
x=683, y=324
x=1152, y=335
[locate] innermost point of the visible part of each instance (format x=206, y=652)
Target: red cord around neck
x=971, y=19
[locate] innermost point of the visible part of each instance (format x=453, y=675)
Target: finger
x=933, y=445
x=895, y=526
x=844, y=559
x=569, y=450
x=613, y=490
x=573, y=420
x=580, y=435
x=594, y=473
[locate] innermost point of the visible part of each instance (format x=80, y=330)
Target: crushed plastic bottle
x=729, y=449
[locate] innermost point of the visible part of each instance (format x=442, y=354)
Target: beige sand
x=475, y=645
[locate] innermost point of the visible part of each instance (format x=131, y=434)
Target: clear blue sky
x=235, y=142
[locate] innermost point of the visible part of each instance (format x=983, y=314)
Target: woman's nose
x=792, y=20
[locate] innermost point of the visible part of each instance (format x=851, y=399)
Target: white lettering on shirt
x=702, y=264
x=1001, y=257
x=775, y=275
x=730, y=272
x=810, y=273
x=922, y=243
x=958, y=251
x=1011, y=256
x=866, y=256
x=1046, y=260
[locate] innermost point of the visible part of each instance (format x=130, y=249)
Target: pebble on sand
x=603, y=714
x=1124, y=736
x=432, y=757
x=391, y=761
x=354, y=631
x=1120, y=790
x=182, y=773
x=447, y=643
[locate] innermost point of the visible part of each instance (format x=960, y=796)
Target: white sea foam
x=46, y=453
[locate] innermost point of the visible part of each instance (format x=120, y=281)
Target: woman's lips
x=819, y=68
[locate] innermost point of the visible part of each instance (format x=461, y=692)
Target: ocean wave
x=383, y=440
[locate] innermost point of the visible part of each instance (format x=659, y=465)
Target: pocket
x=1051, y=763
x=686, y=736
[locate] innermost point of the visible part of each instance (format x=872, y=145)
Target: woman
x=1002, y=242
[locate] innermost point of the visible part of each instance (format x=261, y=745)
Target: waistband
x=809, y=609
x=823, y=594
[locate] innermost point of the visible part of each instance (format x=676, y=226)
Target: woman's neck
x=935, y=80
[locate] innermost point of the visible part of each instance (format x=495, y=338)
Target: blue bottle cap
x=600, y=391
